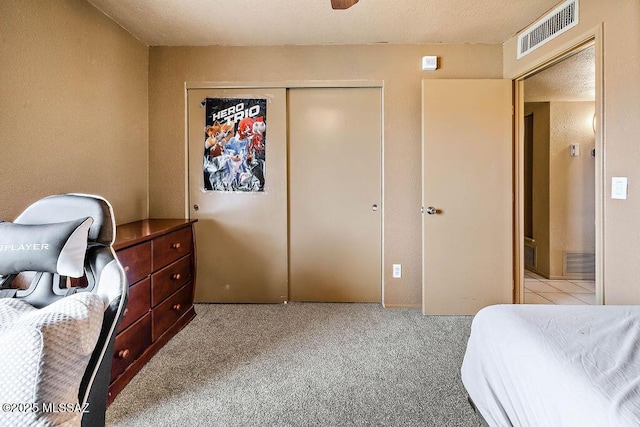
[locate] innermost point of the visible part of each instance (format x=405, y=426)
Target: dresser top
x=139, y=231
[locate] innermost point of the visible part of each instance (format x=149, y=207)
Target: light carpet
x=303, y=364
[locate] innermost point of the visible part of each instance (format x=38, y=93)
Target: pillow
x=51, y=248
x=44, y=354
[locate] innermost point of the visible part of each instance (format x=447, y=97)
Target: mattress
x=544, y=365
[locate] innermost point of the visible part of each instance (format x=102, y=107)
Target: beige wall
x=540, y=206
x=397, y=66
x=73, y=109
x=572, y=189
x=76, y=108
x=620, y=128
x=563, y=186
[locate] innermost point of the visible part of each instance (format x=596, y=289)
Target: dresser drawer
x=136, y=261
x=159, y=257
x=168, y=312
x=130, y=344
x=170, y=279
x=171, y=247
x=138, y=303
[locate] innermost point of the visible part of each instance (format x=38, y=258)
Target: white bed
x=543, y=365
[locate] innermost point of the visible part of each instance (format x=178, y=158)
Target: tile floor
x=538, y=290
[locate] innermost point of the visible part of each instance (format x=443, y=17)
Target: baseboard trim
x=574, y=277
x=401, y=305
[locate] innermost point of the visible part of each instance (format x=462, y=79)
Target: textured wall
x=73, y=109
x=572, y=189
x=563, y=186
x=620, y=128
x=399, y=68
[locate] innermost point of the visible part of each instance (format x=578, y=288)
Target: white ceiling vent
x=559, y=20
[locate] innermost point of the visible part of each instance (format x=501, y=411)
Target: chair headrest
x=67, y=207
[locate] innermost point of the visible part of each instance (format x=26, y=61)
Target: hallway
x=539, y=290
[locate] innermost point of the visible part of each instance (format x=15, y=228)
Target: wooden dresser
x=158, y=256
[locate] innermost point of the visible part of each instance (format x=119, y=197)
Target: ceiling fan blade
x=342, y=4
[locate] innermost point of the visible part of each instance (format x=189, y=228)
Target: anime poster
x=235, y=144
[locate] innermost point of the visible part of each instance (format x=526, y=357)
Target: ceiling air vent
x=559, y=20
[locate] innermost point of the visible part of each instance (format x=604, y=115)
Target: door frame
x=292, y=84
x=593, y=37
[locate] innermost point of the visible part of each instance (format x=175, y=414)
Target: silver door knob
x=196, y=207
x=374, y=207
x=431, y=210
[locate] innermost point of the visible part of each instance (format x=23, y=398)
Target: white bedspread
x=543, y=365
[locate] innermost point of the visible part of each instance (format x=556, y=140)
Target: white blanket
x=543, y=365
x=43, y=356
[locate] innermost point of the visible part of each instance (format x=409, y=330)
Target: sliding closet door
x=335, y=194
x=238, y=194
x=467, y=195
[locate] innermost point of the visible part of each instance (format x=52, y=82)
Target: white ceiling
x=310, y=22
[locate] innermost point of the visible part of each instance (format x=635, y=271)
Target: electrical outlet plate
x=397, y=271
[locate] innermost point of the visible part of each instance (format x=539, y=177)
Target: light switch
x=618, y=187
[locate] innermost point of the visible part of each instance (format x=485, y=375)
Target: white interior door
x=467, y=195
x=335, y=239
x=241, y=235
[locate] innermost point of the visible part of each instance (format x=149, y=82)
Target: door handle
x=431, y=210
x=196, y=207
x=374, y=207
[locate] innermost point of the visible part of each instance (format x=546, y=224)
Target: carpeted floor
x=303, y=364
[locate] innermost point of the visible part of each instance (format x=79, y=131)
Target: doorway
x=559, y=181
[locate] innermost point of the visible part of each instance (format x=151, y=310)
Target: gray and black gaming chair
x=103, y=275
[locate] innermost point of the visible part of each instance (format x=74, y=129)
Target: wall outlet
x=397, y=271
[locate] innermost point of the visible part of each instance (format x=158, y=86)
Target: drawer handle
x=176, y=307
x=126, y=310
x=175, y=245
x=123, y=354
x=176, y=276
x=126, y=268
